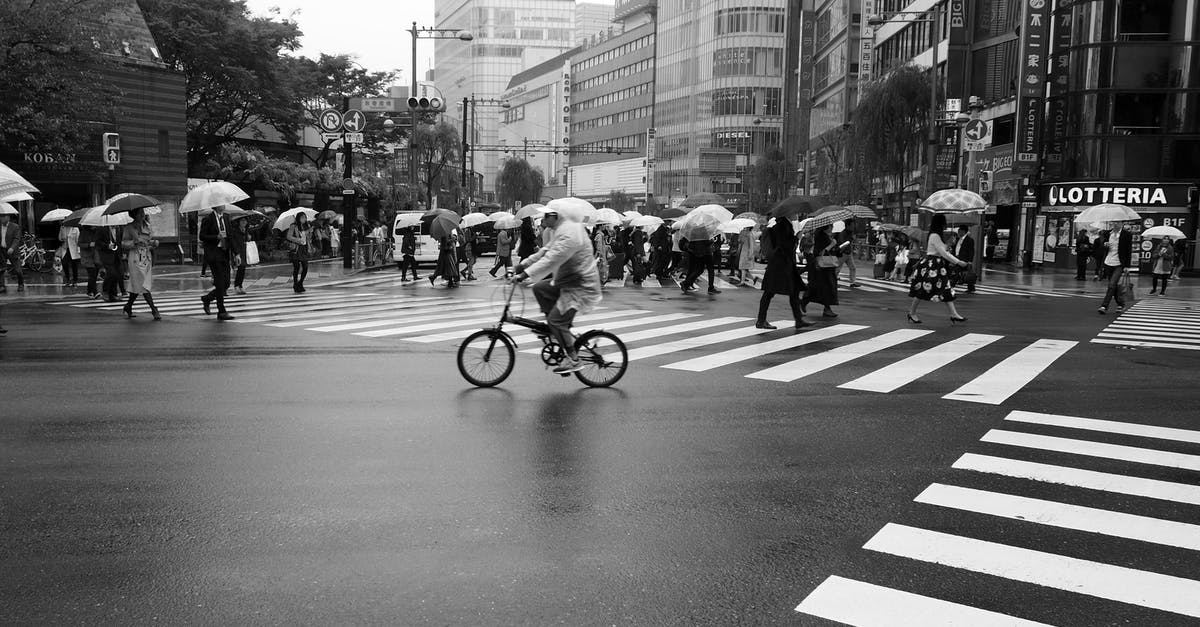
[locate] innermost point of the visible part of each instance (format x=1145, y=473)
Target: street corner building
x=148, y=132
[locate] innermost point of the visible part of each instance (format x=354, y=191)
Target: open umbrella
x=17, y=197
x=474, y=219
x=408, y=220
x=246, y=214
x=54, y=215
x=702, y=198
x=212, y=194
x=954, y=201
x=798, y=206
x=573, y=209
x=608, y=216
x=825, y=219
x=913, y=232
x=630, y=216
x=1107, y=212
x=717, y=211
x=862, y=211
x=124, y=203
x=7, y=209
x=507, y=223
x=287, y=218
x=748, y=215
x=737, y=224
x=12, y=183
x=76, y=216
x=1163, y=231
x=699, y=226
x=499, y=215
x=887, y=226
x=328, y=214
x=672, y=213
x=532, y=210
x=443, y=222
x=641, y=221
x=98, y=216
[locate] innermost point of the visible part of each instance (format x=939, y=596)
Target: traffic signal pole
x=465, y=146
x=348, y=212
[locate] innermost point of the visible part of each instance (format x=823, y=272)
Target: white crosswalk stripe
x=1087, y=575
x=693, y=342
x=1155, y=324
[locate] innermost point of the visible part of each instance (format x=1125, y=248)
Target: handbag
x=967, y=276
x=1127, y=293
x=827, y=261
x=252, y=253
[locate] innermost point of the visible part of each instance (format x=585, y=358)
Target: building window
x=164, y=144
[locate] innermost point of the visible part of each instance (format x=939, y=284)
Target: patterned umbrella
x=825, y=219
x=702, y=198
x=862, y=211
x=954, y=201
x=1107, y=212
x=124, y=203
x=210, y=195
x=12, y=183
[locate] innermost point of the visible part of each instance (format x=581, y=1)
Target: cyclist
x=573, y=286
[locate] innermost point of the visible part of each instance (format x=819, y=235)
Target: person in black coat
x=636, y=254
x=964, y=249
x=1083, y=250
x=108, y=251
x=781, y=275
x=1118, y=255
x=660, y=250
x=527, y=243
x=822, y=282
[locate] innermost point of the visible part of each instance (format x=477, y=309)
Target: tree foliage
x=437, y=149
x=838, y=169
x=320, y=84
x=621, y=201
x=251, y=168
x=519, y=183
x=890, y=126
x=238, y=79
x=52, y=93
x=770, y=177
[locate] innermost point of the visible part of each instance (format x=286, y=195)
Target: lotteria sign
x=1133, y=194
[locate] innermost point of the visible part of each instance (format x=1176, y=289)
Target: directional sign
x=330, y=120
x=977, y=136
x=354, y=138
x=354, y=121
x=330, y=137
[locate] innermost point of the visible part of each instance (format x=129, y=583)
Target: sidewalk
x=1063, y=280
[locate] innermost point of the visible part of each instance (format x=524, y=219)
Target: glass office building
x=718, y=94
x=510, y=36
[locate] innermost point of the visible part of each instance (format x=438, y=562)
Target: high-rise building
x=509, y=36
x=533, y=123
x=593, y=18
x=612, y=108
x=718, y=94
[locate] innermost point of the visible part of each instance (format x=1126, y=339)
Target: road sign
x=377, y=105
x=330, y=120
x=354, y=121
x=331, y=136
x=112, y=156
x=354, y=138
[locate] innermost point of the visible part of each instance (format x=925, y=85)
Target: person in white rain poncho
x=574, y=284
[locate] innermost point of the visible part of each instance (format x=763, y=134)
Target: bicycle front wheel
x=604, y=358
x=37, y=261
x=486, y=358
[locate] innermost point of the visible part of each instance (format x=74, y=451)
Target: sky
x=374, y=31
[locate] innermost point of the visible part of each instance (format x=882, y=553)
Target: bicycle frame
x=541, y=329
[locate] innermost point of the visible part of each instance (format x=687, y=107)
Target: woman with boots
x=138, y=243
x=298, y=235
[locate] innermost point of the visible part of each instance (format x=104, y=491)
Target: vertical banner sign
x=804, y=103
x=650, y=160
x=1059, y=78
x=1034, y=56
x=945, y=165
x=866, y=51
x=958, y=48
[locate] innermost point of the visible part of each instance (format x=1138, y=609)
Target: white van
x=427, y=247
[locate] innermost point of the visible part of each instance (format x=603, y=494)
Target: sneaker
x=1102, y=311
x=568, y=366
x=240, y=291
x=855, y=285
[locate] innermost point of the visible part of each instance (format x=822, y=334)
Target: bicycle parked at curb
x=487, y=357
x=29, y=254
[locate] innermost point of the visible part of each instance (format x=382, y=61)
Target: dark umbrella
x=702, y=198
x=672, y=213
x=76, y=216
x=798, y=206
x=124, y=203
x=442, y=222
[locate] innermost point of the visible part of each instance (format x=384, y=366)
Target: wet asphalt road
x=196, y=472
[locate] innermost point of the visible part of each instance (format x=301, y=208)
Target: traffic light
x=110, y=147
x=427, y=105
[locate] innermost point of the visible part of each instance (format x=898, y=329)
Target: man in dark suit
x=965, y=250
x=1083, y=250
x=216, y=233
x=108, y=247
x=10, y=242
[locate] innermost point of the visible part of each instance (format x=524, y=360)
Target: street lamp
x=428, y=33
x=875, y=21
x=746, y=174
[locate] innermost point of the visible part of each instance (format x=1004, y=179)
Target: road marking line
x=260, y=308
x=724, y=358
x=1093, y=449
x=1107, y=426
x=1080, y=478
x=349, y=304
x=723, y=284
x=457, y=335
x=404, y=317
x=1169, y=320
x=529, y=338
x=885, y=285
x=1019, y=291
x=1011, y=375
x=359, y=311
x=260, y=301
x=1096, y=579
x=1149, y=336
x=865, y=288
x=905, y=371
x=1064, y=516
x=656, y=350
x=1163, y=325
x=670, y=330
x=189, y=298
x=444, y=324
x=812, y=364
x=868, y=605
x=1145, y=344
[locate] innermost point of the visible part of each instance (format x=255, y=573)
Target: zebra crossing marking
x=668, y=330
x=812, y=364
x=361, y=311
x=1154, y=324
x=735, y=355
x=1080, y=478
x=1011, y=375
x=414, y=315
x=588, y=318
x=908, y=370
x=666, y=348
x=530, y=338
x=1096, y=579
x=1089, y=448
x=1106, y=426
x=867, y=605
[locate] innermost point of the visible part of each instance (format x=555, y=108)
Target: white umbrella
x=531, y=210
x=499, y=215
x=629, y=216
x=1163, y=231
x=737, y=224
x=608, y=216
x=640, y=221
x=54, y=215
x=96, y=217
x=285, y=219
x=573, y=209
x=717, y=211
x=473, y=219
x=210, y=195
x=507, y=223
x=12, y=183
x=1107, y=212
x=17, y=197
x=7, y=209
x=407, y=220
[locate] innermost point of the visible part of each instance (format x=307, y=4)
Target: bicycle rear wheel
x=604, y=358
x=37, y=261
x=486, y=358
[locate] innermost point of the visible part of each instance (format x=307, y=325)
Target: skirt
x=931, y=278
x=822, y=286
x=299, y=254
x=140, y=265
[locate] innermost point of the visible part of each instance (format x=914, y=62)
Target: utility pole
x=348, y=212
x=526, y=140
x=466, y=112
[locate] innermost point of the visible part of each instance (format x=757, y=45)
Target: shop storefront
x=1055, y=230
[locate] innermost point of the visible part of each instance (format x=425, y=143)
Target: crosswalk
x=390, y=279
x=679, y=341
x=1062, y=471
x=1155, y=323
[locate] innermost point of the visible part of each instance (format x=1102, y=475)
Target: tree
x=770, y=177
x=518, y=183
x=320, y=84
x=53, y=94
x=436, y=149
x=620, y=201
x=838, y=168
x=237, y=76
x=891, y=125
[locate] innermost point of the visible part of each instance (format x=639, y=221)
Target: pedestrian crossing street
x=957, y=559
x=1155, y=323
x=390, y=279
x=689, y=342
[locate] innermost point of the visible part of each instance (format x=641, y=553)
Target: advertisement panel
x=1058, y=80
x=1034, y=56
